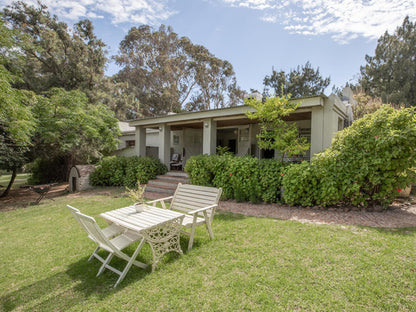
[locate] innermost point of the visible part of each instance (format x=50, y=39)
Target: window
x=130, y=143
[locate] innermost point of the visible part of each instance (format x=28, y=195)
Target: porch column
x=209, y=136
x=140, y=145
x=317, y=130
x=164, y=144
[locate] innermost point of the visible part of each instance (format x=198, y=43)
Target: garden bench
x=198, y=203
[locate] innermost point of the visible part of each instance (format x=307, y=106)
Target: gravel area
x=398, y=215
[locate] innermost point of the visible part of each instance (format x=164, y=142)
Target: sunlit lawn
x=21, y=179
x=253, y=264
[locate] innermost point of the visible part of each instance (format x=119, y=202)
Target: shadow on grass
x=77, y=284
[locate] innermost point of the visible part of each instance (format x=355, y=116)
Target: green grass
x=21, y=179
x=253, y=264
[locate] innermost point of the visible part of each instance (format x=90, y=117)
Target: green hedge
x=367, y=164
x=125, y=171
x=241, y=178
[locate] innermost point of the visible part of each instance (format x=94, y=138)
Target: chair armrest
x=161, y=200
x=158, y=200
x=202, y=209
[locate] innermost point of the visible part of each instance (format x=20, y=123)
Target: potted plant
x=137, y=196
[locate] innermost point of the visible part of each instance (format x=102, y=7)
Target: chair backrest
x=191, y=197
x=175, y=157
x=74, y=211
x=95, y=232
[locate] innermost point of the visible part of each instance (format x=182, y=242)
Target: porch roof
x=230, y=115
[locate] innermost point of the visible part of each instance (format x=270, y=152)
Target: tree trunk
x=6, y=191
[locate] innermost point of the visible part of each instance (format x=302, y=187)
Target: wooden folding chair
x=113, y=246
x=109, y=232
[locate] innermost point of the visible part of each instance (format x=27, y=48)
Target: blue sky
x=254, y=35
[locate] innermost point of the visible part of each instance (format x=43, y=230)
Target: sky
x=255, y=36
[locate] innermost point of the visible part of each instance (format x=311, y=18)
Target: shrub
x=125, y=171
x=47, y=170
x=270, y=178
x=241, y=178
x=367, y=164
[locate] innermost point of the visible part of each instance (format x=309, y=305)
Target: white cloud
x=342, y=20
x=120, y=11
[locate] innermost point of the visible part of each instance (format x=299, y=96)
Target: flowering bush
x=241, y=178
x=366, y=164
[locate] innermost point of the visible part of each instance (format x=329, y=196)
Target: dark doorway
x=228, y=138
x=232, y=145
x=74, y=184
x=268, y=153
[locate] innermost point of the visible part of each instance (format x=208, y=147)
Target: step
x=178, y=179
x=160, y=189
x=181, y=174
x=161, y=182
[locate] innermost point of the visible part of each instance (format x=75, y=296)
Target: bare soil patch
x=402, y=213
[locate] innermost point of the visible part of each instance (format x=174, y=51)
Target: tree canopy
x=391, y=72
x=53, y=55
x=167, y=73
x=299, y=82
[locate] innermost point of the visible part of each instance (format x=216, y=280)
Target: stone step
x=160, y=182
x=179, y=179
x=167, y=183
x=160, y=189
x=181, y=174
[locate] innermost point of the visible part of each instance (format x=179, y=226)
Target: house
x=193, y=133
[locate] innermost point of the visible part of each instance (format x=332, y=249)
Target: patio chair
x=198, y=203
x=176, y=162
x=109, y=232
x=113, y=246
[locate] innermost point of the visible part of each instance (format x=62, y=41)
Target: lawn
x=21, y=179
x=253, y=264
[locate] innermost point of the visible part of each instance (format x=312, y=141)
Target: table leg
x=164, y=238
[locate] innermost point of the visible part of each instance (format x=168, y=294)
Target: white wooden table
x=160, y=228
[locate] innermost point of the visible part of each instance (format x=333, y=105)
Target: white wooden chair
x=109, y=232
x=113, y=246
x=197, y=202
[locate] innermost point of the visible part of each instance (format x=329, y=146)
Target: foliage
x=391, y=72
x=72, y=129
x=300, y=82
x=136, y=195
x=126, y=171
x=16, y=120
x=241, y=178
x=47, y=170
x=367, y=164
x=165, y=72
x=51, y=54
x=275, y=132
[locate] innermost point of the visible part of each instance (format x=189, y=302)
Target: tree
x=391, y=72
x=299, y=82
x=72, y=129
x=275, y=132
x=16, y=121
x=165, y=72
x=52, y=55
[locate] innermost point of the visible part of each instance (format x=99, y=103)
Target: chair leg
x=130, y=262
x=208, y=225
x=191, y=237
x=94, y=253
x=105, y=263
